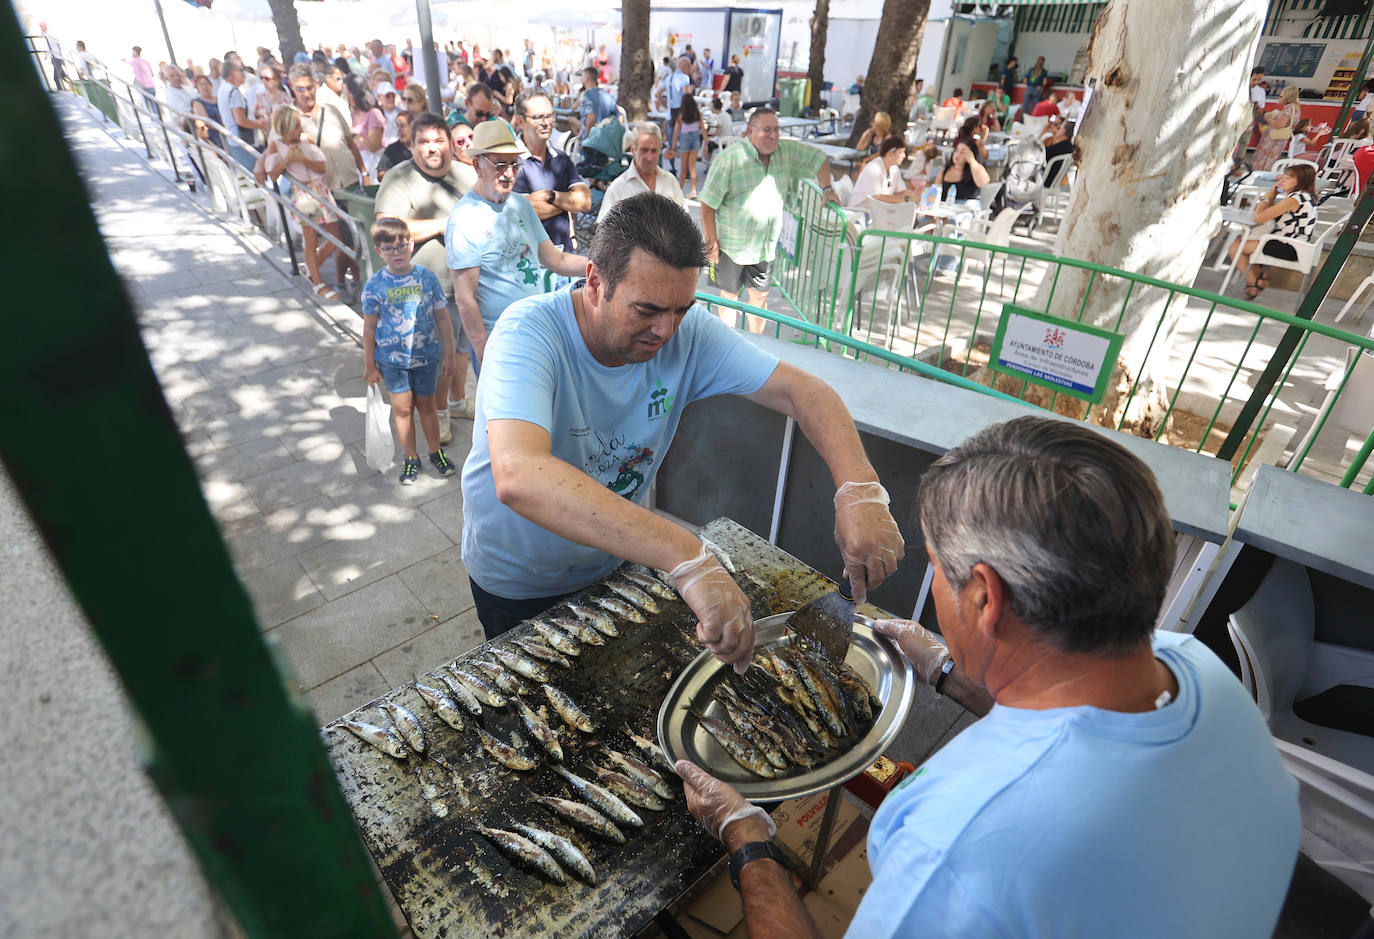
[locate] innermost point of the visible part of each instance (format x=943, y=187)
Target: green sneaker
x=410, y=469
x=442, y=464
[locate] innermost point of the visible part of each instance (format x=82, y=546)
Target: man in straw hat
x=496, y=243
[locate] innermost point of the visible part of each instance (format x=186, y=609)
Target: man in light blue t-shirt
x=1122, y=782
x=496, y=243
x=579, y=401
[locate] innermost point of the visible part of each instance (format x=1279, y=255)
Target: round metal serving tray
x=874, y=657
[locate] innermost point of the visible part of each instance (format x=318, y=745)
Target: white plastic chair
x=1282, y=164
x=1281, y=662
x=844, y=188
x=1031, y=126
x=1350, y=409
x=942, y=122
x=1308, y=252
x=917, y=132
x=886, y=259
x=1054, y=197
x=1336, y=161
x=996, y=231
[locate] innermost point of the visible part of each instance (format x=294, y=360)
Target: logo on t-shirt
x=628, y=479
x=660, y=402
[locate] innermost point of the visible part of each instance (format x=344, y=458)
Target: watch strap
x=752, y=852
x=944, y=673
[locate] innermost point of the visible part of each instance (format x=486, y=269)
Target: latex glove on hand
x=867, y=534
x=715, y=804
x=726, y=626
x=926, y=652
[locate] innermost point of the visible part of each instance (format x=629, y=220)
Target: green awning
x=1039, y=3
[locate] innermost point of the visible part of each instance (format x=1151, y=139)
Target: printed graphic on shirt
x=407, y=335
x=660, y=402
x=616, y=463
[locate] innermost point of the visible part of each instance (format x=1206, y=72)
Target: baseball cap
x=495, y=137
x=385, y=88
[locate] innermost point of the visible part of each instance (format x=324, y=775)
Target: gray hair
x=762, y=110
x=650, y=128
x=1072, y=522
x=652, y=223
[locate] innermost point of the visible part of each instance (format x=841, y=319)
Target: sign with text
x=1070, y=357
x=787, y=238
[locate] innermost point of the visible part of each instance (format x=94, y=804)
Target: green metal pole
x=233, y=750
x=1307, y=309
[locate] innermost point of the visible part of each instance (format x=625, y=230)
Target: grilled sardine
x=380, y=737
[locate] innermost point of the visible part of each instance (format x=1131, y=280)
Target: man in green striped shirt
x=742, y=205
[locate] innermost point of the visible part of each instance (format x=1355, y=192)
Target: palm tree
x=636, y=61
x=892, y=70
x=815, y=69
x=288, y=29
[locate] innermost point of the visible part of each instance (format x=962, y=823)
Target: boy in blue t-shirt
x=406, y=345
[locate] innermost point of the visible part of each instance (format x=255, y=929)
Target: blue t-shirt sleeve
x=462, y=251
x=372, y=297
x=724, y=362
x=434, y=291
x=519, y=371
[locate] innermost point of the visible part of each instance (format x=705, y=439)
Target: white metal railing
x=233, y=189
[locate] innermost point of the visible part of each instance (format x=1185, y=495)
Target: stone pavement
x=358, y=580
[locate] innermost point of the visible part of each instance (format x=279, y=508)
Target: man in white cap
x=496, y=243
x=386, y=102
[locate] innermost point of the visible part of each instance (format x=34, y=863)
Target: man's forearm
x=772, y=908
x=422, y=229
x=967, y=693
x=578, y=199
x=562, y=499
x=708, y=223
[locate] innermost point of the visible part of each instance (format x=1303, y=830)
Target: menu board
x=1292, y=59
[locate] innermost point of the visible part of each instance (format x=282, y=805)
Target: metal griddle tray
x=876, y=659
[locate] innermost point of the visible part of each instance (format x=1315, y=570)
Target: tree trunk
x=892, y=70
x=815, y=67
x=636, y=63
x=288, y=29
x=1151, y=152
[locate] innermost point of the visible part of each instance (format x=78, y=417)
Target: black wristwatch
x=944, y=673
x=752, y=852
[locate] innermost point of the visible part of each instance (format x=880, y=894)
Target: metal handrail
x=355, y=252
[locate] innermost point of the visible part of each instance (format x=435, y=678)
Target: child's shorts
x=423, y=380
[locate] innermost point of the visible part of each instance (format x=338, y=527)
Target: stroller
x=1023, y=183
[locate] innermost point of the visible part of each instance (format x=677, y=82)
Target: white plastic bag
x=378, y=443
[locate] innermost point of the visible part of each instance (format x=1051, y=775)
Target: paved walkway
x=356, y=578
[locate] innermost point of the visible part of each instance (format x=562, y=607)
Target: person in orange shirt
x=955, y=100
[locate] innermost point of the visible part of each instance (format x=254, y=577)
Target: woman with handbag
x=1278, y=130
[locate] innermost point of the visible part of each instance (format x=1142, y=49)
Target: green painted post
x=232, y=749
x=1307, y=309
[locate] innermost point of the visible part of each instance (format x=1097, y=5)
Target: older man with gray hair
x=644, y=174
x=1121, y=781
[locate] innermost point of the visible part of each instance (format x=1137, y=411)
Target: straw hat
x=495, y=137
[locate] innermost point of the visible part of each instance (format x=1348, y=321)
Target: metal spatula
x=827, y=622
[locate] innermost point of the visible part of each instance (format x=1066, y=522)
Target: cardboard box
x=717, y=911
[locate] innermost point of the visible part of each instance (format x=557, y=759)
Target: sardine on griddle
x=379, y=737
x=563, y=850
x=583, y=816
x=606, y=802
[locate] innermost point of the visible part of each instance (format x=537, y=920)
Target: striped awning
x=1284, y=12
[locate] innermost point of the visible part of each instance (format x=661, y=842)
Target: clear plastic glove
x=716, y=804
x=725, y=625
x=926, y=651
x=867, y=534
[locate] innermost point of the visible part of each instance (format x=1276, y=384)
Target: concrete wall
x=969, y=50
x=1059, y=50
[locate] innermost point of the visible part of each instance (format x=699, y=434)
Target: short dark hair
x=387, y=229
x=762, y=110
x=590, y=73
x=889, y=144
x=958, y=93
x=1072, y=522
x=656, y=225
x=1257, y=70
x=527, y=96
x=425, y=120
x=478, y=89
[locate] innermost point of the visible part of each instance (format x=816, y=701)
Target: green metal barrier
x=882, y=287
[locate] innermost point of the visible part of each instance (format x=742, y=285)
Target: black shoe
x=410, y=469
x=442, y=464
